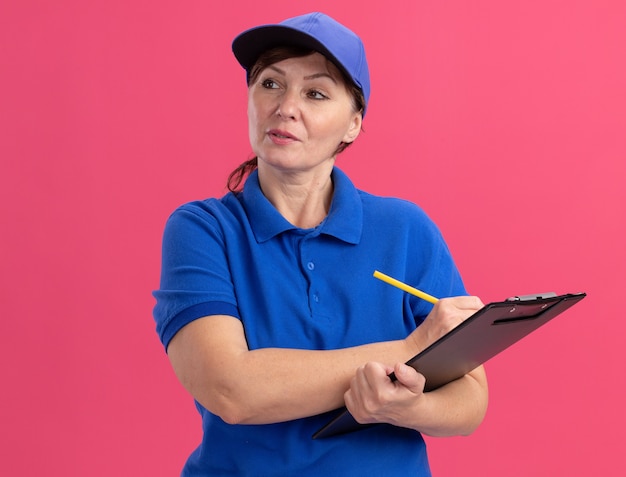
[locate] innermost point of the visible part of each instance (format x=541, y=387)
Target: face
x=299, y=111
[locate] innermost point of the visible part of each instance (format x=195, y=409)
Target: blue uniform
x=307, y=289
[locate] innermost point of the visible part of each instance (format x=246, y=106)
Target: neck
x=303, y=199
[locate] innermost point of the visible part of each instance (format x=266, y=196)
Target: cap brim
x=248, y=46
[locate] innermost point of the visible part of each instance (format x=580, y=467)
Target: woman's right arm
x=211, y=359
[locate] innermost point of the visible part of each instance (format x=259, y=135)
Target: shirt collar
x=344, y=220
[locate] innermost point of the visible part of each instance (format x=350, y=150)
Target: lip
x=279, y=136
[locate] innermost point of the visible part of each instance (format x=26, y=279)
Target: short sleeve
x=195, y=278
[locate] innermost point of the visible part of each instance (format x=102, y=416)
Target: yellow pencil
x=405, y=287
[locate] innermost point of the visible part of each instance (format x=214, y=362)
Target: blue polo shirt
x=307, y=289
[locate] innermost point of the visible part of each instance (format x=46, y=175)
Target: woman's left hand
x=374, y=398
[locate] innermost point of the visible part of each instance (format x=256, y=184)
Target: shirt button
x=310, y=265
x=316, y=298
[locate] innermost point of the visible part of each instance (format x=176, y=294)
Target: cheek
x=252, y=124
x=332, y=129
x=258, y=111
x=253, y=117
x=251, y=110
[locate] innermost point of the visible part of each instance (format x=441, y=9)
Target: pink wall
x=506, y=121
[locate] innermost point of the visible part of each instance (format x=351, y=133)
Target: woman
x=267, y=306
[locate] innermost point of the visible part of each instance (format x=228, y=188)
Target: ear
x=355, y=128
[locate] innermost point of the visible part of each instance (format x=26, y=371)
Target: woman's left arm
x=454, y=409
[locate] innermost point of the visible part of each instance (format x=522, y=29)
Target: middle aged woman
x=267, y=305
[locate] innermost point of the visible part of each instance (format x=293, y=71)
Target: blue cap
x=315, y=31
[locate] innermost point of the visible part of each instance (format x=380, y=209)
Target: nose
x=288, y=105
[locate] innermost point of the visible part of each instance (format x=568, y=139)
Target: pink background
x=506, y=121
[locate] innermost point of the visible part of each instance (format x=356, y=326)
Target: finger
x=370, y=375
x=463, y=302
x=410, y=378
x=370, y=383
x=361, y=394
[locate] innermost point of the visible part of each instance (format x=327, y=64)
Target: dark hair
x=274, y=55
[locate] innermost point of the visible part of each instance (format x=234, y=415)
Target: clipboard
x=483, y=335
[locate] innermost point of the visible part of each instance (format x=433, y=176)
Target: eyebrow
x=309, y=77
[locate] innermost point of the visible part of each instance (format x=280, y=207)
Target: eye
x=269, y=84
x=315, y=94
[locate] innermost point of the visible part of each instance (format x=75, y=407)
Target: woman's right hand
x=446, y=315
